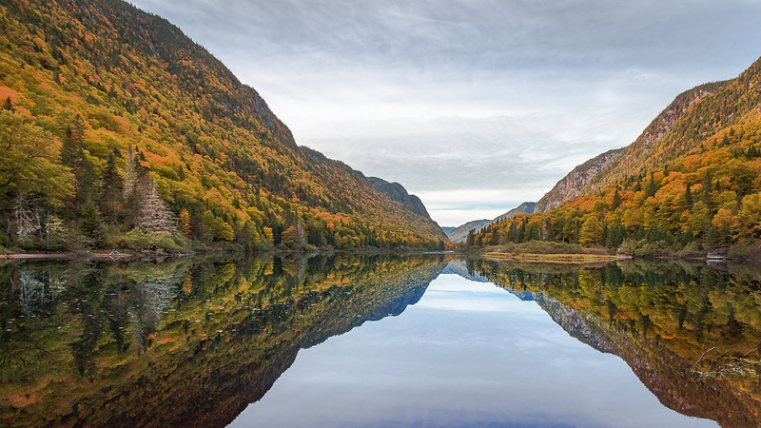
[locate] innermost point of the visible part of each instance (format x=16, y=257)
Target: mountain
x=608, y=166
x=688, y=184
x=397, y=192
x=460, y=233
x=576, y=181
x=124, y=133
x=524, y=208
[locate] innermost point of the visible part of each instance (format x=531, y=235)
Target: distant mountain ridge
x=460, y=233
x=524, y=208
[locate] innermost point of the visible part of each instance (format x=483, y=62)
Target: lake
x=378, y=341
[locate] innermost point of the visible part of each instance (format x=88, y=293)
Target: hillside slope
x=614, y=164
x=124, y=132
x=576, y=181
x=690, y=183
x=397, y=192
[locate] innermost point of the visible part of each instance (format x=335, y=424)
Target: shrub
x=161, y=242
x=692, y=249
x=745, y=252
x=644, y=248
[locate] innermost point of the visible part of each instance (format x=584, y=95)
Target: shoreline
x=571, y=258
x=112, y=255
x=117, y=255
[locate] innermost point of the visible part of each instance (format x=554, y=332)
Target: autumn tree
x=32, y=182
x=186, y=222
x=295, y=235
x=591, y=231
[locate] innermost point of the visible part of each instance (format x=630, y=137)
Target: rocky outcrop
x=576, y=181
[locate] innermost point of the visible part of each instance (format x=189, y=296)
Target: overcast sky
x=473, y=105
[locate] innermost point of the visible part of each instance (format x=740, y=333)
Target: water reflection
x=179, y=342
x=467, y=355
x=191, y=342
x=690, y=332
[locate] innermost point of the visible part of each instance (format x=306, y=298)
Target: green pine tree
x=90, y=224
x=112, y=189
x=616, y=200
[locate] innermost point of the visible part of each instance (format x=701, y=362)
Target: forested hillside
x=691, y=183
x=120, y=132
x=398, y=193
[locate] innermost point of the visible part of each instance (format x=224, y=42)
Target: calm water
x=358, y=341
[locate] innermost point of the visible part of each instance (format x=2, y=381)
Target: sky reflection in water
x=468, y=354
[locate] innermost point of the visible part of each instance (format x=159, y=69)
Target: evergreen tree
x=652, y=187
x=615, y=236
x=134, y=174
x=688, y=196
x=112, y=189
x=471, y=239
x=494, y=239
x=74, y=156
x=707, y=188
x=616, y=200
x=90, y=224
x=73, y=143
x=8, y=105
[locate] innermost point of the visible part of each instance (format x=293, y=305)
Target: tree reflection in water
x=191, y=342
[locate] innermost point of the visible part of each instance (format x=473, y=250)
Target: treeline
x=55, y=199
x=706, y=200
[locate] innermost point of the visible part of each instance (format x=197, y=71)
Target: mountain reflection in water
x=192, y=342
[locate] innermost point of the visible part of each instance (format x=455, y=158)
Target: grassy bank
x=578, y=258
